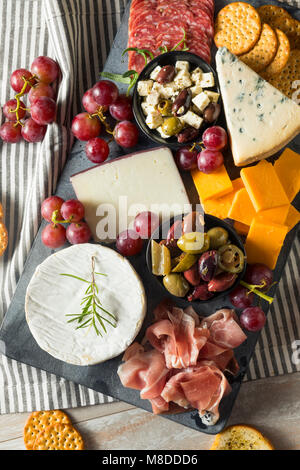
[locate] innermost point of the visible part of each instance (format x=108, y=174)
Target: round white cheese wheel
x=50, y=297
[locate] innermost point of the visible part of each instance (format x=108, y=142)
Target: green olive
x=192, y=242
x=176, y=284
x=231, y=259
x=172, y=126
x=165, y=107
x=218, y=237
x=185, y=262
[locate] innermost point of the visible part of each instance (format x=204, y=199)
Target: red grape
x=260, y=275
x=49, y=205
x=45, y=68
x=214, y=138
x=129, y=243
x=241, y=297
x=85, y=127
x=89, y=103
x=105, y=92
x=54, y=236
x=78, y=233
x=186, y=159
x=126, y=134
x=40, y=89
x=9, y=132
x=253, y=319
x=121, y=109
x=10, y=106
x=43, y=110
x=145, y=223
x=97, y=150
x=72, y=210
x=17, y=81
x=32, y=131
x=209, y=160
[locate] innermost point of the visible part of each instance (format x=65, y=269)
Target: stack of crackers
x=51, y=430
x=267, y=39
x=3, y=233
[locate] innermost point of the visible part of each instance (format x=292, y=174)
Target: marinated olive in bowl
x=198, y=258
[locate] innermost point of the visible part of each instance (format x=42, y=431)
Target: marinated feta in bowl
x=177, y=100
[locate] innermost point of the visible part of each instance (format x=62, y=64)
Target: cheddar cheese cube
x=219, y=207
x=263, y=186
x=264, y=242
x=240, y=228
x=287, y=168
x=242, y=208
x=277, y=215
x=293, y=217
x=212, y=185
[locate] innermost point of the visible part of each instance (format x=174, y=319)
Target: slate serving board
x=16, y=340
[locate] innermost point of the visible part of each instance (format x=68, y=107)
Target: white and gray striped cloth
x=78, y=34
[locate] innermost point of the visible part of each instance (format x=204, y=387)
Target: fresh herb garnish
x=130, y=77
x=91, y=308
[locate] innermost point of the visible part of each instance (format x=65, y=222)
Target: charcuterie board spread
x=157, y=260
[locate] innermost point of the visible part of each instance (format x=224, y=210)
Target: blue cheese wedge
x=260, y=119
x=50, y=297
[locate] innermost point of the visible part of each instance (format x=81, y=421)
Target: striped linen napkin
x=78, y=34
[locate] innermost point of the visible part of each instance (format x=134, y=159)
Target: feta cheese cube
x=162, y=134
x=147, y=108
x=196, y=89
x=213, y=96
x=153, y=98
x=191, y=119
x=183, y=79
x=168, y=90
x=207, y=80
x=154, y=120
x=201, y=101
x=155, y=72
x=182, y=65
x=144, y=87
x=196, y=75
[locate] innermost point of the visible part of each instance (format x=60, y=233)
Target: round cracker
x=278, y=18
x=241, y=437
x=289, y=75
x=3, y=238
x=264, y=50
x=40, y=420
x=237, y=27
x=269, y=13
x=281, y=58
x=59, y=437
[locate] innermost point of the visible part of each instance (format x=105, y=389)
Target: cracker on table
x=288, y=76
x=281, y=58
x=237, y=27
x=278, y=18
x=264, y=50
x=59, y=437
x=40, y=420
x=3, y=238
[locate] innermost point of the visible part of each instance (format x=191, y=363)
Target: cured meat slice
x=159, y=405
x=224, y=329
x=144, y=370
x=148, y=17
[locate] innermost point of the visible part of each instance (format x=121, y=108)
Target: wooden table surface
x=272, y=405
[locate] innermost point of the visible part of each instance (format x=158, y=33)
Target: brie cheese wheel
x=260, y=119
x=50, y=297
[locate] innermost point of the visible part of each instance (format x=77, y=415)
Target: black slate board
x=16, y=340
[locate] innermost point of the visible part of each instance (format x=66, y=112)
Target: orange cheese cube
x=220, y=206
x=277, y=215
x=264, y=242
x=287, y=168
x=263, y=186
x=293, y=217
x=242, y=208
x=212, y=185
x=240, y=228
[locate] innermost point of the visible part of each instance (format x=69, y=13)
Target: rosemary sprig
x=91, y=307
x=130, y=77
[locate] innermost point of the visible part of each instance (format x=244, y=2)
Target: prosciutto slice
x=224, y=329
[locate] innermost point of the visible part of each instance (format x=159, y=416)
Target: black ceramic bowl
x=210, y=222
x=166, y=59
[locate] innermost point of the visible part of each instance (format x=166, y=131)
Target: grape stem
x=17, y=98
x=102, y=119
x=254, y=288
x=56, y=222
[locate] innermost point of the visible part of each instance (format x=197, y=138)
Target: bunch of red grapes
x=101, y=102
x=59, y=212
x=31, y=123
x=209, y=158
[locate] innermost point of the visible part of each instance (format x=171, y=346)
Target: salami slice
x=147, y=18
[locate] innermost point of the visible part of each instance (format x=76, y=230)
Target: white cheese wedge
x=50, y=297
x=260, y=119
x=117, y=190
